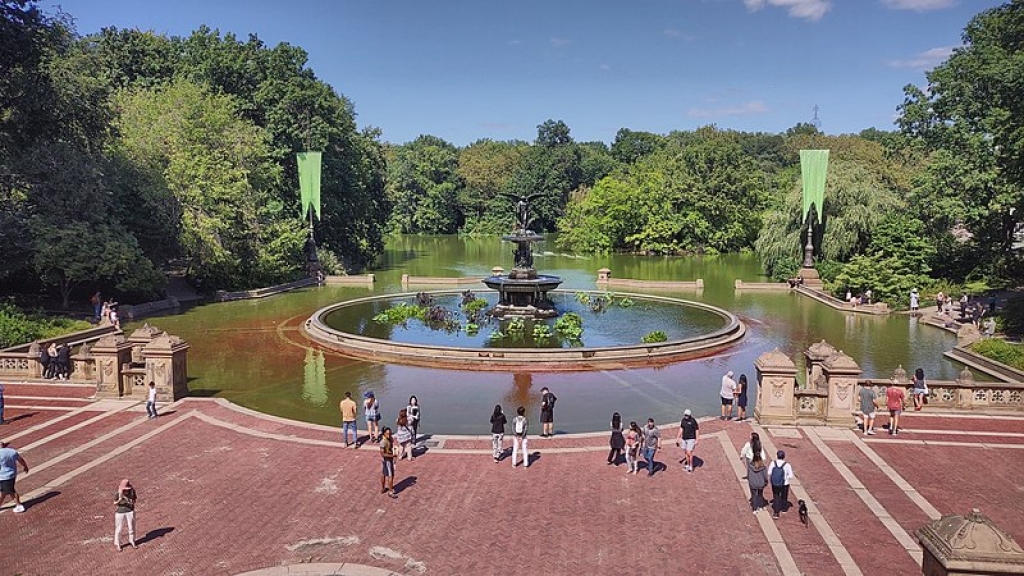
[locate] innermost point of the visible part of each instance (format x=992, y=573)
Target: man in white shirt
x=151, y=401
x=779, y=474
x=728, y=393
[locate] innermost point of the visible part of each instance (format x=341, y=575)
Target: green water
x=252, y=353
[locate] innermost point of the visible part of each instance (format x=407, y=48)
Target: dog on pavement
x=802, y=509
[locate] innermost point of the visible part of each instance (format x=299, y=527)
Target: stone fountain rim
x=540, y=359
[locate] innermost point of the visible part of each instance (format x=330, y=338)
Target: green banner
x=309, y=182
x=813, y=167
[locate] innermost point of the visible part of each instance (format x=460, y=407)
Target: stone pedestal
x=140, y=338
x=968, y=546
x=815, y=356
x=811, y=277
x=497, y=271
x=112, y=353
x=604, y=275
x=167, y=364
x=776, y=382
x=841, y=372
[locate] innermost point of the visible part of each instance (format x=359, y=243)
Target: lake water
x=252, y=353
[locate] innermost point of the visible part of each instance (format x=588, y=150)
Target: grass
x=1001, y=351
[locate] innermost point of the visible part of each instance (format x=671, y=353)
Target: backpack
x=519, y=425
x=779, y=474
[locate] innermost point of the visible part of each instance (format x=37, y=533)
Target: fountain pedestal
x=523, y=292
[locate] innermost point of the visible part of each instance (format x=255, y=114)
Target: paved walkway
x=223, y=490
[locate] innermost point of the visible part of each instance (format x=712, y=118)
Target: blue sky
x=470, y=69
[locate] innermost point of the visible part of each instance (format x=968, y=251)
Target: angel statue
x=523, y=209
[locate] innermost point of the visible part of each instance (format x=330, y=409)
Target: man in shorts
x=894, y=399
x=728, y=393
x=689, y=432
x=387, y=454
x=9, y=460
x=867, y=408
x=652, y=443
x=348, y=410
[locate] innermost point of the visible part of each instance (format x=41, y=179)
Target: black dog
x=802, y=509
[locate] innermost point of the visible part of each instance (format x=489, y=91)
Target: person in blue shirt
x=9, y=460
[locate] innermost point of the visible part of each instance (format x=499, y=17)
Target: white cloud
x=605, y=67
x=673, y=33
x=746, y=109
x=918, y=5
x=513, y=42
x=926, y=59
x=809, y=9
x=560, y=42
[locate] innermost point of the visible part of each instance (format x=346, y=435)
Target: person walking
x=9, y=460
x=757, y=479
x=915, y=301
x=617, y=441
x=728, y=393
x=348, y=409
x=498, y=422
x=867, y=408
x=520, y=429
x=940, y=299
x=920, y=389
x=547, y=413
x=894, y=400
x=652, y=443
x=634, y=439
x=780, y=473
x=741, y=398
x=151, y=401
x=2, y=421
x=689, y=433
x=125, y=513
x=371, y=410
x=403, y=435
x=387, y=455
x=413, y=410
x=751, y=448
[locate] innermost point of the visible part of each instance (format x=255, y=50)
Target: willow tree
x=856, y=201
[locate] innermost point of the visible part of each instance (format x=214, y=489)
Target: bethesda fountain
x=523, y=292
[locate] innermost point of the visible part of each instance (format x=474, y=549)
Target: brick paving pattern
x=226, y=491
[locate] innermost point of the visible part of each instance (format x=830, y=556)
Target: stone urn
x=968, y=545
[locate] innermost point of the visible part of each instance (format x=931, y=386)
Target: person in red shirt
x=894, y=398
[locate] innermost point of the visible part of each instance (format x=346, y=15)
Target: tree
x=895, y=262
x=424, y=186
x=630, y=145
x=553, y=133
x=971, y=120
x=486, y=169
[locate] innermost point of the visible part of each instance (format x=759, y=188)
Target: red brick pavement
x=218, y=499
x=53, y=390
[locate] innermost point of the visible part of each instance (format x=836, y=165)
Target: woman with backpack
x=633, y=439
x=780, y=473
x=520, y=428
x=618, y=442
x=757, y=479
x=498, y=422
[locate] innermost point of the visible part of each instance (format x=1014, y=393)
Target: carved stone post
x=140, y=338
x=111, y=353
x=776, y=383
x=841, y=372
x=814, y=356
x=604, y=275
x=167, y=364
x=965, y=389
x=968, y=545
x=35, y=367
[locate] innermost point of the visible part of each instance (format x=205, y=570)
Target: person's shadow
x=407, y=482
x=40, y=499
x=154, y=534
x=697, y=462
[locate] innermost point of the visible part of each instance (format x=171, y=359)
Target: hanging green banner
x=813, y=168
x=309, y=182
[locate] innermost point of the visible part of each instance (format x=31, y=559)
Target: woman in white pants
x=125, y=513
x=520, y=428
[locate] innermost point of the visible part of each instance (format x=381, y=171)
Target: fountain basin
x=349, y=342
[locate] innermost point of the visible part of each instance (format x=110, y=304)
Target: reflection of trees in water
x=314, y=378
x=520, y=395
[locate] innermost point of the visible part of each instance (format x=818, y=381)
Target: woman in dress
x=633, y=440
x=498, y=422
x=125, y=513
x=741, y=398
x=403, y=435
x=618, y=441
x=413, y=410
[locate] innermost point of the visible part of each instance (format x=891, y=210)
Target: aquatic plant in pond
x=654, y=337
x=570, y=327
x=399, y=314
x=541, y=332
x=602, y=301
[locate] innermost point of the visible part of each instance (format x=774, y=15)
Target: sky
x=470, y=69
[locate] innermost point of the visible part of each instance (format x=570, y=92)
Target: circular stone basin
x=611, y=338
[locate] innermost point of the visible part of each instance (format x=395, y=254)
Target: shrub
x=17, y=327
x=1001, y=351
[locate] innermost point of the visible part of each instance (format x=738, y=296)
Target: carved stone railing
x=964, y=394
x=22, y=362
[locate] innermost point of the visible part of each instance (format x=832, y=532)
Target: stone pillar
x=140, y=338
x=968, y=545
x=111, y=353
x=814, y=356
x=604, y=275
x=497, y=271
x=167, y=365
x=35, y=368
x=776, y=382
x=841, y=372
x=965, y=389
